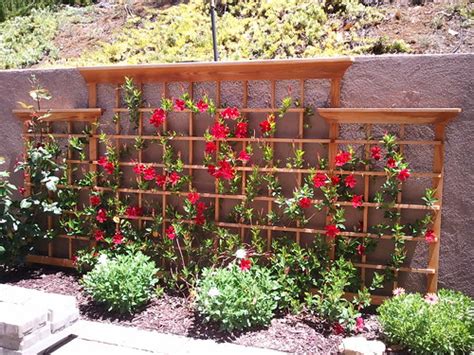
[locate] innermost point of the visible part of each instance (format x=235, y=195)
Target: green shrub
x=297, y=269
x=446, y=325
x=237, y=299
x=12, y=8
x=24, y=41
x=123, y=283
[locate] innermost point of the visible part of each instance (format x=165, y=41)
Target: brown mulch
x=172, y=314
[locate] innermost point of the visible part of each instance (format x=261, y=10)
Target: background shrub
x=237, y=299
x=444, y=327
x=123, y=283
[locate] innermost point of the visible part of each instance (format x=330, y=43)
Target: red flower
x=265, y=126
x=343, y=158
x=101, y=216
x=149, y=173
x=332, y=230
x=99, y=235
x=139, y=169
x=202, y=106
x=338, y=329
x=430, y=236
x=74, y=259
x=319, y=180
x=133, y=211
x=376, y=151
x=211, y=147
x=94, y=200
x=211, y=169
x=170, y=232
x=335, y=180
x=179, y=105
x=357, y=201
x=161, y=180
x=106, y=164
x=117, y=238
x=199, y=219
x=200, y=207
x=245, y=264
x=22, y=191
x=391, y=163
x=304, y=202
x=174, y=178
x=225, y=171
x=193, y=197
x=403, y=175
x=241, y=130
x=350, y=181
x=158, y=117
x=230, y=113
x=219, y=131
x=244, y=156
x=360, y=249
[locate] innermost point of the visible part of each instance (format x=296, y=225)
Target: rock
x=361, y=346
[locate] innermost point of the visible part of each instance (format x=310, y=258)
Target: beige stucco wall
x=388, y=81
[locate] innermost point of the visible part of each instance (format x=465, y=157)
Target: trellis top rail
x=389, y=115
x=326, y=68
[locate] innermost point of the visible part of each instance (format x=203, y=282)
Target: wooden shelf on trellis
x=388, y=115
x=63, y=115
x=233, y=71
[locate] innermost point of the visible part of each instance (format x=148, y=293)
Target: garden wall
x=391, y=81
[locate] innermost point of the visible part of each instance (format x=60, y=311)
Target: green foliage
x=123, y=283
x=12, y=8
x=297, y=269
x=24, y=41
x=246, y=30
x=237, y=299
x=445, y=327
x=329, y=301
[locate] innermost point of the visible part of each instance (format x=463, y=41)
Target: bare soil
x=303, y=333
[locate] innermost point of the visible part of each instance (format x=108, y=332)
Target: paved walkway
x=102, y=338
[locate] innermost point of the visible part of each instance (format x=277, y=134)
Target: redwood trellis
x=245, y=72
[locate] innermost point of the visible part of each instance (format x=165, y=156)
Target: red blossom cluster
x=170, y=232
x=179, y=105
x=202, y=106
x=430, y=236
x=95, y=200
x=230, y=113
x=342, y=158
x=149, y=173
x=304, y=202
x=193, y=197
x=350, y=181
x=105, y=163
x=245, y=264
x=376, y=152
x=331, y=230
x=241, y=130
x=219, y=130
x=268, y=126
x=158, y=117
x=357, y=201
x=134, y=211
x=224, y=170
x=101, y=215
x=319, y=180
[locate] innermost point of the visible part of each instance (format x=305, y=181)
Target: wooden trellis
x=246, y=72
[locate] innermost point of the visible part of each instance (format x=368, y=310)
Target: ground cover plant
x=441, y=323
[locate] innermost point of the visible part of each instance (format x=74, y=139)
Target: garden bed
x=302, y=333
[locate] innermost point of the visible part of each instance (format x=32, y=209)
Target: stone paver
x=146, y=342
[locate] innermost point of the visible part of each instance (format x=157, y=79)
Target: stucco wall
x=389, y=81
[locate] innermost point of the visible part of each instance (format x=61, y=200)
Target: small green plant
x=297, y=269
x=236, y=298
x=434, y=324
x=123, y=283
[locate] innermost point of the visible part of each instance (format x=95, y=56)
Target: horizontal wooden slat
x=78, y=114
x=326, y=68
x=388, y=115
x=49, y=260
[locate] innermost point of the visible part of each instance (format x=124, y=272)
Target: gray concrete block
x=16, y=321
x=14, y=343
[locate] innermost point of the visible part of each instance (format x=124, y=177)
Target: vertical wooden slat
x=118, y=129
x=244, y=145
x=140, y=161
x=335, y=92
x=191, y=133
x=433, y=251
x=299, y=176
x=69, y=180
x=216, y=200
x=272, y=145
x=365, y=220
x=332, y=151
x=399, y=200
x=163, y=197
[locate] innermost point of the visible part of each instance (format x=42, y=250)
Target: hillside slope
x=111, y=33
